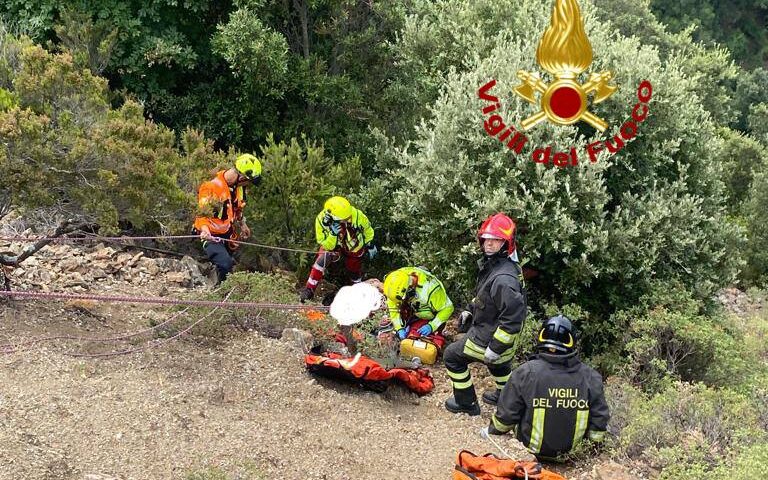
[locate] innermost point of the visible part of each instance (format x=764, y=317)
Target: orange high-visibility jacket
x=229, y=205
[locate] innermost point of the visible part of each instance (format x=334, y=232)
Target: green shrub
x=671, y=335
x=597, y=233
x=686, y=431
x=756, y=215
x=66, y=149
x=298, y=177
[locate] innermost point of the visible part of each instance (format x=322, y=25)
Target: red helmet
x=498, y=226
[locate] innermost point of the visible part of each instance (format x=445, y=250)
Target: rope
x=21, y=239
x=11, y=347
x=155, y=300
x=147, y=346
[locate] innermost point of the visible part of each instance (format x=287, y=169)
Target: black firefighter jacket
x=554, y=401
x=499, y=307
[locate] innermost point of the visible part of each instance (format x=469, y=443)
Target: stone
x=134, y=260
x=123, y=258
x=70, y=263
x=149, y=265
x=75, y=279
x=611, y=470
x=191, y=265
x=300, y=338
x=103, y=253
x=182, y=278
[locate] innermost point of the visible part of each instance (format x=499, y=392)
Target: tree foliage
x=599, y=232
x=65, y=148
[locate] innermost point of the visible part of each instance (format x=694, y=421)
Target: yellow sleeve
x=363, y=222
x=394, y=314
x=440, y=303
x=324, y=236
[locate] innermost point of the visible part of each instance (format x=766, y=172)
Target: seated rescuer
x=497, y=312
x=418, y=304
x=220, y=211
x=553, y=401
x=341, y=230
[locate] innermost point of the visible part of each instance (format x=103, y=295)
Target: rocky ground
x=239, y=408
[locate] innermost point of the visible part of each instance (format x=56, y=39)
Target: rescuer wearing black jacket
x=497, y=311
x=553, y=401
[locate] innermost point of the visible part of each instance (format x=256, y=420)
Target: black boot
x=306, y=294
x=453, y=406
x=491, y=397
x=464, y=400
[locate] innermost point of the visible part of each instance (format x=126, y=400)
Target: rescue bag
x=489, y=467
x=367, y=372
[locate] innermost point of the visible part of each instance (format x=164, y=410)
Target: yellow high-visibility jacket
x=430, y=302
x=354, y=235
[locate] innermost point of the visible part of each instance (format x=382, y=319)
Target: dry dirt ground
x=239, y=408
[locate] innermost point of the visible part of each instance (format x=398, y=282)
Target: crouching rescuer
x=418, y=304
x=497, y=313
x=220, y=211
x=553, y=401
x=342, y=231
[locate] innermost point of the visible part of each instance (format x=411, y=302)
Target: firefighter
x=553, y=401
x=497, y=313
x=220, y=203
x=341, y=230
x=418, y=304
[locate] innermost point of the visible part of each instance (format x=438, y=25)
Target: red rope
x=14, y=346
x=146, y=346
x=98, y=238
x=154, y=300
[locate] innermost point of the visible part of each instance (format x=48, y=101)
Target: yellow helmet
x=397, y=283
x=338, y=207
x=248, y=165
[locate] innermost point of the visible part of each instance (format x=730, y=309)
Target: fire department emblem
x=565, y=52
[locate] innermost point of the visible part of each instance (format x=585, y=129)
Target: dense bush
x=687, y=431
x=598, y=232
x=297, y=178
x=671, y=336
x=66, y=149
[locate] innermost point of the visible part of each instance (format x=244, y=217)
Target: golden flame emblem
x=565, y=52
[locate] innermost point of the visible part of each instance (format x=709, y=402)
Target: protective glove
x=402, y=333
x=425, y=330
x=335, y=227
x=465, y=321
x=372, y=251
x=490, y=356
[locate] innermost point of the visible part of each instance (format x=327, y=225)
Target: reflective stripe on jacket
x=553, y=402
x=499, y=307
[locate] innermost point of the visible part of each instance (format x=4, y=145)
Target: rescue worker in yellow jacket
x=220, y=211
x=553, y=401
x=342, y=231
x=418, y=304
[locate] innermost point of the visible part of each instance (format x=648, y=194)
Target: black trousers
x=221, y=257
x=459, y=355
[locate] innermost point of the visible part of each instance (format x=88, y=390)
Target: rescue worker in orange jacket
x=497, y=312
x=220, y=211
x=341, y=230
x=553, y=401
